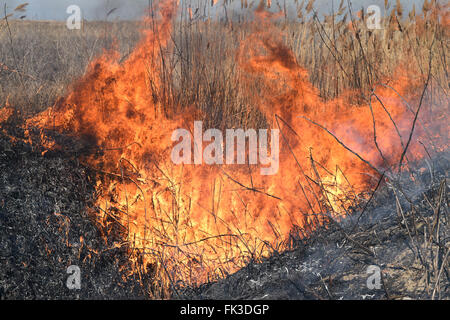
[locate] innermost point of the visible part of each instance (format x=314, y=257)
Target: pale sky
x=132, y=9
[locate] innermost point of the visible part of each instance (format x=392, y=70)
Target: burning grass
x=343, y=133
x=392, y=232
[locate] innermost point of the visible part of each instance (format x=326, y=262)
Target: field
x=359, y=111
x=339, y=54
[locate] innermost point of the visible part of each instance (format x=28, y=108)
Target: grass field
x=40, y=60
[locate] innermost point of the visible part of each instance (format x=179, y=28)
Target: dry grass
x=39, y=60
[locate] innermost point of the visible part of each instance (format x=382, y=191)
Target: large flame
x=196, y=223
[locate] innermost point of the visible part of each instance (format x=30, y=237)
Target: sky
x=134, y=9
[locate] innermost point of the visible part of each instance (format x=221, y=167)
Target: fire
x=194, y=223
x=5, y=113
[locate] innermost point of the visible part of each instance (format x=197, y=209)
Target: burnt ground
x=46, y=226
